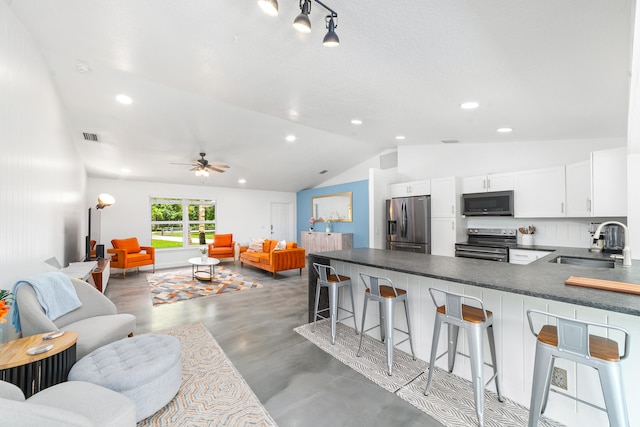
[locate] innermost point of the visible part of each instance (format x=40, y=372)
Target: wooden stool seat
x=387, y=292
x=599, y=347
x=469, y=313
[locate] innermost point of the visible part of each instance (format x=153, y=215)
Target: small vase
x=204, y=258
x=328, y=229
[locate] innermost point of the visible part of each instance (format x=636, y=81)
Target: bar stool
x=474, y=320
x=570, y=339
x=328, y=278
x=387, y=295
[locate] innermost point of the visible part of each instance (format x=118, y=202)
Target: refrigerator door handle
x=404, y=220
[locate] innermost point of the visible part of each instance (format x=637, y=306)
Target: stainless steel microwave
x=497, y=203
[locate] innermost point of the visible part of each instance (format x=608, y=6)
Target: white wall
x=42, y=182
x=441, y=160
x=245, y=213
x=633, y=163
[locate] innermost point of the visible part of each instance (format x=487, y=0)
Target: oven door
x=482, y=252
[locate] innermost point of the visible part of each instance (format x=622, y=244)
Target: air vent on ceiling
x=450, y=141
x=90, y=136
x=322, y=172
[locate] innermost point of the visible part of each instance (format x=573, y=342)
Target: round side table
x=199, y=274
x=33, y=373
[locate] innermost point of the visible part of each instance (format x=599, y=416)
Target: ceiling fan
x=202, y=167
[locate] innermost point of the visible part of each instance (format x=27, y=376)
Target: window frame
x=185, y=222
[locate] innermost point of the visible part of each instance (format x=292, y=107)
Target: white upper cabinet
x=540, y=193
x=484, y=183
x=578, y=189
x=409, y=189
x=445, y=195
x=609, y=177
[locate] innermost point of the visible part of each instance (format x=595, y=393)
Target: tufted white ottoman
x=145, y=368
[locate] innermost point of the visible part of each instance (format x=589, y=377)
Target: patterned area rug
x=450, y=400
x=177, y=286
x=213, y=393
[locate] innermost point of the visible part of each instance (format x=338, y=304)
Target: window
x=180, y=223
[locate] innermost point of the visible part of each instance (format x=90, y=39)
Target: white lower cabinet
x=525, y=256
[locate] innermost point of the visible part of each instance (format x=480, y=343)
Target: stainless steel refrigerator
x=409, y=224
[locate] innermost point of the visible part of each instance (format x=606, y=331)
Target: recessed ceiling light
x=124, y=99
x=356, y=122
x=290, y=138
x=242, y=181
x=293, y=114
x=125, y=170
x=400, y=137
x=504, y=130
x=471, y=105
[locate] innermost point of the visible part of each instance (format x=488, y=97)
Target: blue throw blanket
x=55, y=293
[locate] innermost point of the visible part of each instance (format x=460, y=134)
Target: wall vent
x=90, y=136
x=389, y=160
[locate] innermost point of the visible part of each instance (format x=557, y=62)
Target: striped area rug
x=213, y=393
x=174, y=286
x=450, y=400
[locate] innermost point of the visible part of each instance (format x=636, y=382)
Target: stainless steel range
x=487, y=243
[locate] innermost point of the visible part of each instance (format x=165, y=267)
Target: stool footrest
x=578, y=400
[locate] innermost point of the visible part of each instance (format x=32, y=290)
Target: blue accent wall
x=360, y=224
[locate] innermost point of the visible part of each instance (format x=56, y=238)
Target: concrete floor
x=299, y=384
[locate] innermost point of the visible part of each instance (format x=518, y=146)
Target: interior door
x=282, y=222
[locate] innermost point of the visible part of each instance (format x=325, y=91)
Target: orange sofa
x=223, y=246
x=127, y=253
x=272, y=259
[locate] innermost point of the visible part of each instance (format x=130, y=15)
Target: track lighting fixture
x=302, y=22
x=270, y=7
x=331, y=39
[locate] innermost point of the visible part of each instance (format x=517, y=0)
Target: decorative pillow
x=282, y=244
x=255, y=245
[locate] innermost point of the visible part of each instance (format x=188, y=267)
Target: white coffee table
x=198, y=262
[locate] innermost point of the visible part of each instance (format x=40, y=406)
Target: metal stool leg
x=542, y=368
x=614, y=398
x=452, y=344
x=406, y=312
x=389, y=315
x=364, y=317
x=353, y=308
x=333, y=309
x=315, y=311
x=476, y=352
x=434, y=352
x=494, y=361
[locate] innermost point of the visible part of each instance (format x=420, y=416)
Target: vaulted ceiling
x=224, y=78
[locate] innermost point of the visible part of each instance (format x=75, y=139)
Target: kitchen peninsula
x=509, y=291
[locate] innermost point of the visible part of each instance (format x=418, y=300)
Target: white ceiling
x=223, y=77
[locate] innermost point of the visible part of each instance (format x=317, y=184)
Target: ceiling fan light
x=331, y=38
x=270, y=7
x=202, y=172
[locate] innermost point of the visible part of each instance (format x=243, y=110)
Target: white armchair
x=96, y=322
x=74, y=403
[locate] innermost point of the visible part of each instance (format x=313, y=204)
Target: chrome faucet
x=626, y=252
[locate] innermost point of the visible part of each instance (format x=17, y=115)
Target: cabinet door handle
x=484, y=184
x=452, y=209
x=453, y=225
x=562, y=207
x=488, y=183
x=588, y=205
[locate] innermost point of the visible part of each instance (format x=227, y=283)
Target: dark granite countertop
x=541, y=278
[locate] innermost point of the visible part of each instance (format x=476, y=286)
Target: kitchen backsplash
x=574, y=232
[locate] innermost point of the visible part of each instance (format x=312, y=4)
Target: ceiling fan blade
x=222, y=166
x=213, y=168
x=195, y=168
x=184, y=164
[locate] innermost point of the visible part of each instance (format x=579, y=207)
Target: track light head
x=302, y=22
x=331, y=38
x=270, y=7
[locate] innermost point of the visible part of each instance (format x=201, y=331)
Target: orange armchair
x=223, y=246
x=127, y=253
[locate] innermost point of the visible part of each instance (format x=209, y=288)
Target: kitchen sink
x=584, y=262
